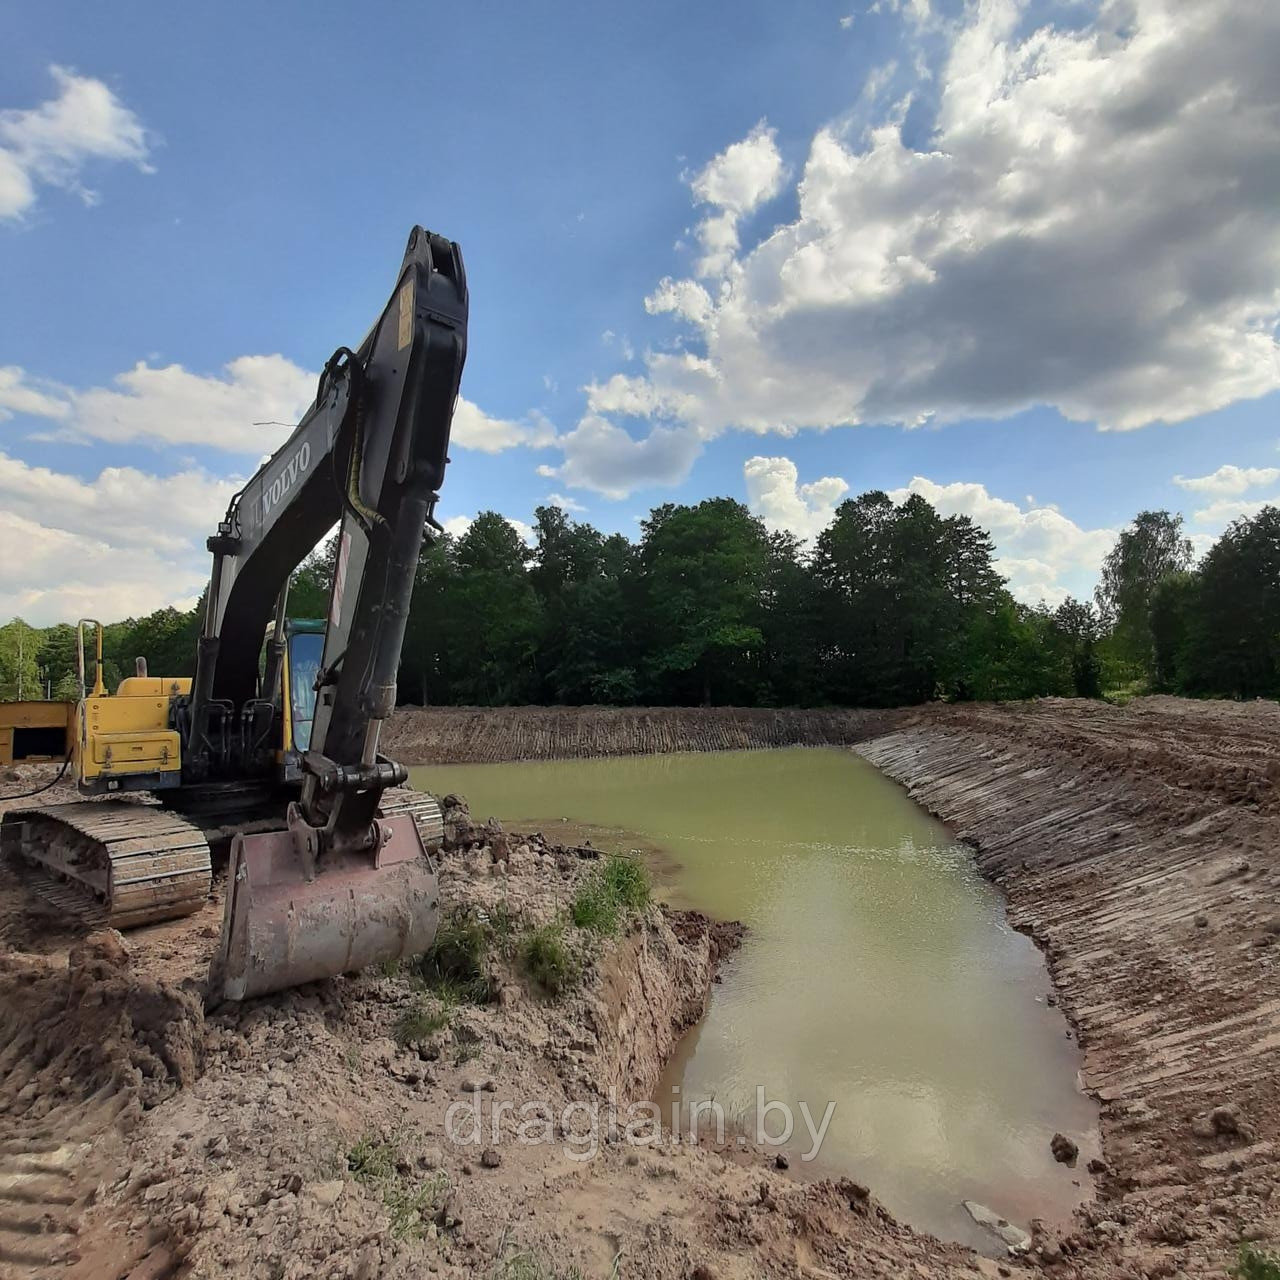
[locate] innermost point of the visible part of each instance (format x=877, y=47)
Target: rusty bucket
x=282, y=927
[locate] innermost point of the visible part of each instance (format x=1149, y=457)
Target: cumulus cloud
x=19, y=394
x=125, y=506
x=775, y=494
x=1092, y=225
x=565, y=503
x=1230, y=480
x=456, y=526
x=1044, y=555
x=1217, y=515
x=247, y=408
x=172, y=405
x=600, y=455
x=123, y=542
x=735, y=183
x=477, y=430
x=52, y=144
x=62, y=576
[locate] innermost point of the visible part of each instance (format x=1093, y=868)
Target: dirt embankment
x=486, y=735
x=1141, y=848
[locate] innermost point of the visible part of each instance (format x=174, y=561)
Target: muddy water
x=878, y=973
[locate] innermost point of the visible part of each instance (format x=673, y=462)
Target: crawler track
x=137, y=862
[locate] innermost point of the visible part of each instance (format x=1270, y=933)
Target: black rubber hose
x=22, y=795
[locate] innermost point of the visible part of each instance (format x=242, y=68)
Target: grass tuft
x=454, y=964
x=619, y=886
x=531, y=1266
x=374, y=1162
x=545, y=956
x=1253, y=1263
x=419, y=1023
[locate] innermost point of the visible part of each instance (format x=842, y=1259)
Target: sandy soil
x=140, y=1136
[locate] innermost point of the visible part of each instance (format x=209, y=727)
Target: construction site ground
x=305, y=1134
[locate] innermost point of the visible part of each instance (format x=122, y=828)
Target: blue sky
x=785, y=255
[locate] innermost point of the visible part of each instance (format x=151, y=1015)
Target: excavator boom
x=344, y=885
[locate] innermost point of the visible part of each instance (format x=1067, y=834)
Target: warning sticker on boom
x=406, y=313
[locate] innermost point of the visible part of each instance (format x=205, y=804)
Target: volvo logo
x=286, y=479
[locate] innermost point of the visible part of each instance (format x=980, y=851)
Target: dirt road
x=305, y=1134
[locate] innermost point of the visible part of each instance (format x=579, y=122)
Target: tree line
x=892, y=604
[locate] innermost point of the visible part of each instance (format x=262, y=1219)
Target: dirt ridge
x=1140, y=848
x=485, y=735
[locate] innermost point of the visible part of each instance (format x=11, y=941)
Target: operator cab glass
x=305, y=651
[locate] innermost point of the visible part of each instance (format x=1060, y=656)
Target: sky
x=1022, y=258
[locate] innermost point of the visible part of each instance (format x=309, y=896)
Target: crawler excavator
x=273, y=744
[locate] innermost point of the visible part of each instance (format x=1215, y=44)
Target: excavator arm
x=340, y=888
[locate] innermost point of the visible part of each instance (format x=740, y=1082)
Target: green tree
x=491, y=616
x=1233, y=642
x=1146, y=552
x=702, y=568
x=19, y=662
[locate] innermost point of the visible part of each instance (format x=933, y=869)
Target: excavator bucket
x=281, y=928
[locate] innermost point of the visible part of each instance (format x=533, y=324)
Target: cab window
x=305, y=652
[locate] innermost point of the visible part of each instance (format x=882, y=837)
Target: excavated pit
x=1138, y=846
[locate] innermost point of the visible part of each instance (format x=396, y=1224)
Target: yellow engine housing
x=125, y=734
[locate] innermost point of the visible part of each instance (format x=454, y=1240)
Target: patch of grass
x=373, y=1163
x=418, y=1022
x=506, y=926
x=454, y=964
x=619, y=886
x=1253, y=1263
x=532, y=1266
x=593, y=909
x=627, y=882
x=388, y=968
x=547, y=959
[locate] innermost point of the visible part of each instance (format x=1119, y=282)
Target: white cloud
x=1230, y=480
x=53, y=143
x=1217, y=515
x=456, y=526
x=19, y=394
x=239, y=411
x=122, y=543
x=249, y=408
x=776, y=496
x=1044, y=555
x=735, y=183
x=1092, y=225
x=477, y=430
x=124, y=506
x=601, y=456
x=565, y=503
x=62, y=576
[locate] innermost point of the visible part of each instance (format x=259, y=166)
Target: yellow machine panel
x=35, y=730
x=129, y=733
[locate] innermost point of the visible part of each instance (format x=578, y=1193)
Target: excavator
x=272, y=747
